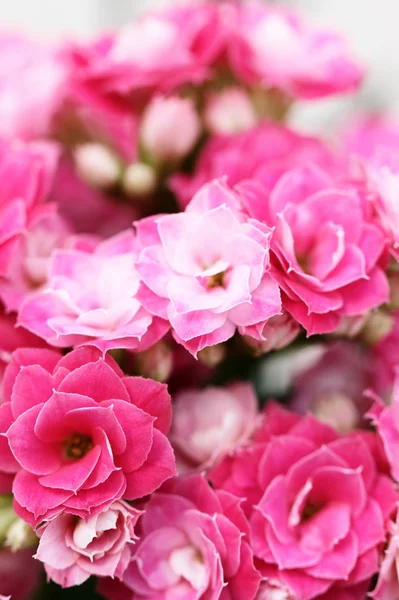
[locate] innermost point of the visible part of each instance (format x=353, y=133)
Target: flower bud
x=273, y=591
x=97, y=165
x=138, y=180
x=170, y=129
x=378, y=326
x=20, y=536
x=156, y=362
x=228, y=112
x=338, y=411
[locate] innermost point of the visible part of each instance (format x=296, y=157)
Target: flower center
x=216, y=280
x=309, y=511
x=77, y=446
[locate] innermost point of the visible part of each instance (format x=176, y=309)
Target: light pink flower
x=269, y=149
x=20, y=574
x=74, y=549
x=385, y=359
x=210, y=422
x=282, y=51
x=207, y=271
x=27, y=172
x=193, y=544
x=81, y=434
x=33, y=85
x=91, y=298
x=169, y=129
x=328, y=256
x=318, y=503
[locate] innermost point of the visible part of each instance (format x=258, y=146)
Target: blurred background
x=371, y=27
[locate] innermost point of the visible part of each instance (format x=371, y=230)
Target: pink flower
x=81, y=434
x=207, y=271
x=29, y=267
x=328, y=257
x=388, y=580
x=20, y=574
x=210, y=422
x=193, y=544
x=169, y=129
x=91, y=299
x=282, y=51
x=385, y=358
x=74, y=549
x=33, y=85
x=27, y=173
x=269, y=149
x=317, y=503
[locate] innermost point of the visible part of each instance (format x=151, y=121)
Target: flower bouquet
x=199, y=319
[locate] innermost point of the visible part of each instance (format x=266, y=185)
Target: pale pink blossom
x=193, y=544
x=206, y=272
x=317, y=503
x=210, y=422
x=73, y=550
x=229, y=111
x=80, y=434
x=277, y=333
x=169, y=129
x=91, y=298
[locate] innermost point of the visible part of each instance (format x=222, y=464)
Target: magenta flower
x=74, y=549
x=329, y=257
x=81, y=435
x=193, y=544
x=318, y=503
x=206, y=272
x=91, y=299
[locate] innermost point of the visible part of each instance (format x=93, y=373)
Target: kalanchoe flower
x=206, y=271
x=20, y=574
x=33, y=86
x=328, y=256
x=91, y=298
x=27, y=172
x=385, y=358
x=81, y=435
x=193, y=544
x=277, y=333
x=317, y=502
x=229, y=111
x=74, y=549
x=208, y=423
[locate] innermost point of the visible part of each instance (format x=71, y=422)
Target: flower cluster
x=173, y=256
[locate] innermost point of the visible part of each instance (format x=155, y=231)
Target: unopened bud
x=229, y=111
x=212, y=355
x=139, y=180
x=378, y=325
x=97, y=165
x=170, y=129
x=338, y=411
x=20, y=536
x=156, y=362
